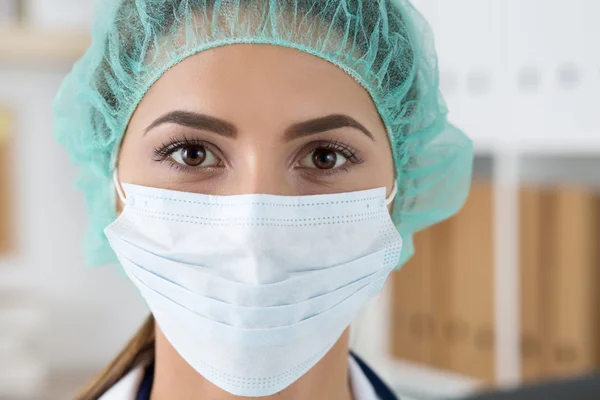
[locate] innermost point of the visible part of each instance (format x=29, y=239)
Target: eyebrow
x=325, y=124
x=224, y=128
x=196, y=121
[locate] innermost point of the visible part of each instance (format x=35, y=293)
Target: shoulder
x=127, y=388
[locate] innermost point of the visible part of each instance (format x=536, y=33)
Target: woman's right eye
x=195, y=156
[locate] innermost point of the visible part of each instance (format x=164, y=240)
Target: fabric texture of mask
x=385, y=45
x=253, y=290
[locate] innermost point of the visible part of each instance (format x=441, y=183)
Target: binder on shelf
x=423, y=326
x=443, y=298
x=531, y=249
x=410, y=311
x=471, y=330
x=442, y=302
x=420, y=302
x=446, y=328
x=573, y=273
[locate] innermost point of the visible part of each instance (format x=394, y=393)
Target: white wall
x=520, y=70
x=89, y=313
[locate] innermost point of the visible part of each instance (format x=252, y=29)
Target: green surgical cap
x=383, y=44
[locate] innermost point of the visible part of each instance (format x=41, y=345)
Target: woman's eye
x=322, y=158
x=195, y=156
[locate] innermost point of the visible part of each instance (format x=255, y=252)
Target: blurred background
x=502, y=295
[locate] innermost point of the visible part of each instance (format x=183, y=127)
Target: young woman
x=269, y=162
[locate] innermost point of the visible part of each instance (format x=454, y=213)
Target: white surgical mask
x=253, y=290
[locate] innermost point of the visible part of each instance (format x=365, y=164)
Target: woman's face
x=256, y=119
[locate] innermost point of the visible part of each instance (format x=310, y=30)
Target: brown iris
x=324, y=159
x=193, y=156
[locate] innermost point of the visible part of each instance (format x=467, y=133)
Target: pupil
x=324, y=159
x=194, y=156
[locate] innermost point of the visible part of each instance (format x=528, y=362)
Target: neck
x=175, y=379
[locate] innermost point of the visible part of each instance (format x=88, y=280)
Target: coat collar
x=127, y=387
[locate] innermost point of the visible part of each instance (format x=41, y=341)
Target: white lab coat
x=127, y=388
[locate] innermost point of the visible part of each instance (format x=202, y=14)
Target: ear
x=118, y=192
x=393, y=184
x=119, y=204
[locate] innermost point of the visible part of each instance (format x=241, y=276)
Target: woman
x=254, y=151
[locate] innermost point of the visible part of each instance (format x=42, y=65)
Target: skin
x=267, y=93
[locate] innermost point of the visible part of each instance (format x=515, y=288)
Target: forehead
x=246, y=83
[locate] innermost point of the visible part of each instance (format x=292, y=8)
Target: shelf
x=31, y=46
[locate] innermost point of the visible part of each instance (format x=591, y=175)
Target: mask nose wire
x=118, y=187
x=392, y=195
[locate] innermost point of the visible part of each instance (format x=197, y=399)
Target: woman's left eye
x=195, y=156
x=322, y=158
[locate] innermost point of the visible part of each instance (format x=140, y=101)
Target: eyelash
x=351, y=154
x=164, y=152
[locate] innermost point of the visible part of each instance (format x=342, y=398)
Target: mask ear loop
x=118, y=187
x=392, y=195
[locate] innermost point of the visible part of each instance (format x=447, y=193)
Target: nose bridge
x=262, y=170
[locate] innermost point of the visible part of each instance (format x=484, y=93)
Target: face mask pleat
x=262, y=337
x=296, y=288
x=268, y=372
x=252, y=317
